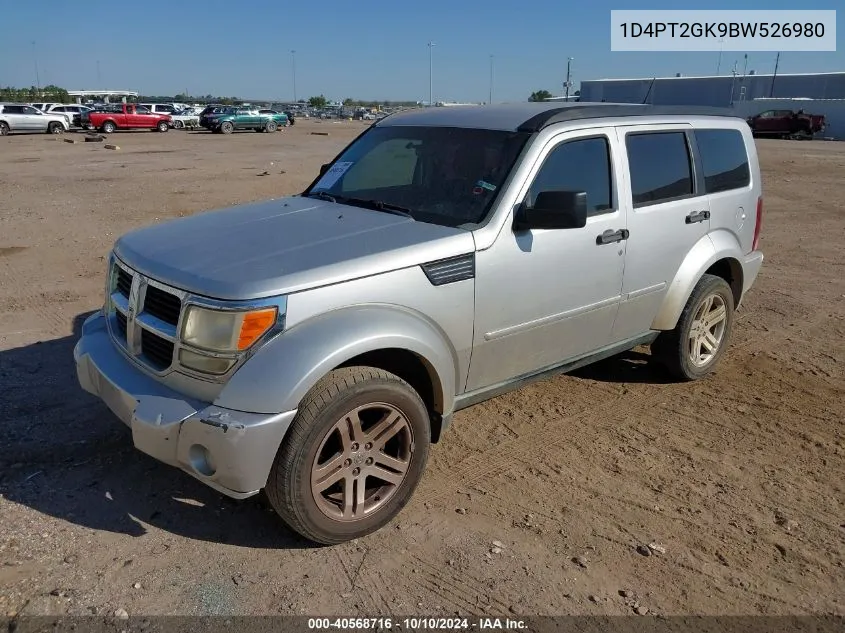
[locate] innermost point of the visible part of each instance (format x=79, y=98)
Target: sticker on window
x=333, y=175
x=485, y=185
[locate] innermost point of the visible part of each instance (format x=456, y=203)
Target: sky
x=358, y=50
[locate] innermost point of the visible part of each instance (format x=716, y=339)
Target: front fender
x=279, y=375
x=707, y=251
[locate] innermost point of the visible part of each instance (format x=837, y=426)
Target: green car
x=245, y=118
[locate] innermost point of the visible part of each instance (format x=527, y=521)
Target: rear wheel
x=353, y=456
x=108, y=127
x=226, y=127
x=4, y=128
x=693, y=349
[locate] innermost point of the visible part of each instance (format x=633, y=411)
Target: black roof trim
x=597, y=111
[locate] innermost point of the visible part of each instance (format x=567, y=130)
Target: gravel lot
x=738, y=481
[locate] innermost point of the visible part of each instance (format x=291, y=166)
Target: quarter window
x=579, y=165
x=659, y=163
x=724, y=160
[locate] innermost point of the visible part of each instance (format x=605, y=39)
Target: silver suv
x=315, y=346
x=19, y=117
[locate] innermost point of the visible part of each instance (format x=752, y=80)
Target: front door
x=545, y=296
x=667, y=215
x=33, y=119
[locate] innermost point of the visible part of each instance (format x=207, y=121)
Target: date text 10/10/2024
x=416, y=624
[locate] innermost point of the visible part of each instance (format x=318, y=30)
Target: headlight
x=226, y=331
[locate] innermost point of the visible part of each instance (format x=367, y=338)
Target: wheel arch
x=281, y=373
x=718, y=253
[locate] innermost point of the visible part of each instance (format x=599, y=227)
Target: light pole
x=430, y=81
x=37, y=75
x=99, y=81
x=568, y=75
x=719, y=64
x=293, y=72
x=490, y=101
x=774, y=76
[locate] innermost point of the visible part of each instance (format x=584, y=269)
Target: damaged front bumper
x=231, y=451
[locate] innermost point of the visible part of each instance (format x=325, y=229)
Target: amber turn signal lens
x=254, y=325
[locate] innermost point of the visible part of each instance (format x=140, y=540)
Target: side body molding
x=281, y=373
x=706, y=252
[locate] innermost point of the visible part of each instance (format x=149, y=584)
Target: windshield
x=442, y=175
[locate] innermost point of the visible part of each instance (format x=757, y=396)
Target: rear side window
x=660, y=167
x=724, y=160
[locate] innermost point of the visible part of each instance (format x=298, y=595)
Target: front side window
x=442, y=175
x=578, y=165
x=659, y=163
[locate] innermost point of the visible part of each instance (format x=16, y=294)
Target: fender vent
x=447, y=271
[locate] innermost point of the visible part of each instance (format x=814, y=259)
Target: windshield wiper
x=380, y=205
x=322, y=195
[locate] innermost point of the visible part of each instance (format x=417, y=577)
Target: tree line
x=33, y=95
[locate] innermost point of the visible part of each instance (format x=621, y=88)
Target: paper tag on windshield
x=333, y=175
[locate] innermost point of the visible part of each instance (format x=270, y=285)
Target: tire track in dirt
x=459, y=590
x=29, y=297
x=356, y=579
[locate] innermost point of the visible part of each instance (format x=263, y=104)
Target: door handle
x=697, y=216
x=610, y=236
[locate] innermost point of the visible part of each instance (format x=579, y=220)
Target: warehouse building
x=720, y=91
x=749, y=94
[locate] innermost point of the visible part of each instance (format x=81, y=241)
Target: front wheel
x=178, y=124
x=162, y=126
x=227, y=127
x=270, y=126
x=4, y=128
x=352, y=457
x=693, y=349
x=56, y=128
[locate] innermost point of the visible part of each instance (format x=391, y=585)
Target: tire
x=55, y=128
x=162, y=126
x=107, y=128
x=270, y=126
x=178, y=125
x=379, y=397
x=4, y=128
x=677, y=348
x=226, y=127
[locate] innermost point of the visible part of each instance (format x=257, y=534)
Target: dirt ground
x=739, y=479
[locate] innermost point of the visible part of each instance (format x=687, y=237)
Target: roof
x=532, y=117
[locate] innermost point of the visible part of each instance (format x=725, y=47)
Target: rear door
x=667, y=215
x=731, y=194
x=14, y=116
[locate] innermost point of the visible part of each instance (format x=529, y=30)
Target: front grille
x=162, y=305
x=157, y=350
x=124, y=282
x=121, y=324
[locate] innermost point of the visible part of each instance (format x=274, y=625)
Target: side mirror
x=324, y=168
x=554, y=210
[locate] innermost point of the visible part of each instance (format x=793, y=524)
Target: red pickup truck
x=786, y=123
x=125, y=116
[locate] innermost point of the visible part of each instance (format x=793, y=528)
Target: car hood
x=282, y=246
